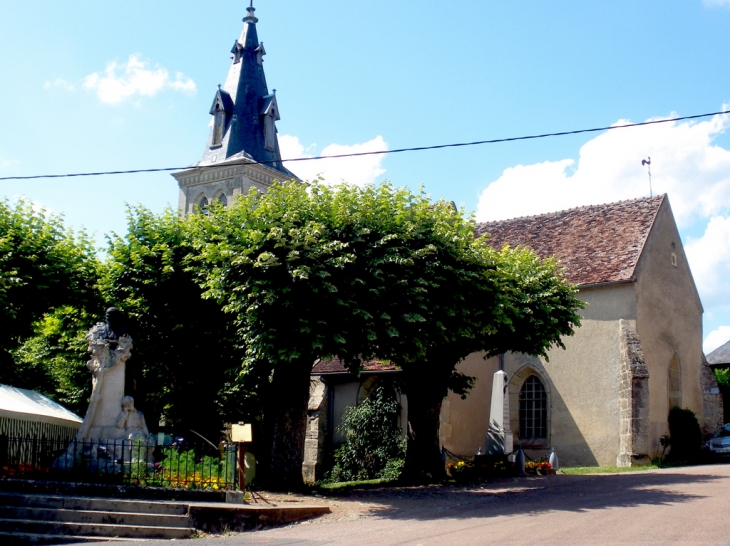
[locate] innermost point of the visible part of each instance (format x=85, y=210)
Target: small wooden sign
x=241, y=433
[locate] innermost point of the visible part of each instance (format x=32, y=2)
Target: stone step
x=92, y=516
x=63, y=528
x=21, y=539
x=94, y=503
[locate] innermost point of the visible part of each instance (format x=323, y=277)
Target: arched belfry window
x=202, y=205
x=533, y=409
x=674, y=383
x=222, y=199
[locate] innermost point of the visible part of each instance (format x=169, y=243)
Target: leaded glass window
x=533, y=409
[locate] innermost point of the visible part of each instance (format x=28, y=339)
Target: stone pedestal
x=103, y=422
x=499, y=435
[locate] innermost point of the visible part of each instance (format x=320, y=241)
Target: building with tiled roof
x=720, y=357
x=605, y=399
x=596, y=244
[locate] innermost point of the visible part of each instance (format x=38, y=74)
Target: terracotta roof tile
x=336, y=366
x=595, y=244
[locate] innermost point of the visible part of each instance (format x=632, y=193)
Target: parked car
x=719, y=443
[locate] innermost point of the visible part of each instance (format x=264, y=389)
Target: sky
x=96, y=86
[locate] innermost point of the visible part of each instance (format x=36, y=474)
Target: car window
x=724, y=431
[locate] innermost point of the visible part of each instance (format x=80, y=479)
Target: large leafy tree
x=369, y=272
x=43, y=267
x=185, y=361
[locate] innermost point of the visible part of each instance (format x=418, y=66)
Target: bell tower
x=242, y=150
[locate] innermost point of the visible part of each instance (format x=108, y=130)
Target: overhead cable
x=378, y=152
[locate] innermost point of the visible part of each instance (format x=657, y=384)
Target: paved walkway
x=673, y=506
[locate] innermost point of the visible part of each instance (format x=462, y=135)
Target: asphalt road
x=673, y=506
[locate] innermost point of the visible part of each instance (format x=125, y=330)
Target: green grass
x=361, y=483
x=606, y=469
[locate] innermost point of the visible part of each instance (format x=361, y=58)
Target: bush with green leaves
x=374, y=445
x=685, y=436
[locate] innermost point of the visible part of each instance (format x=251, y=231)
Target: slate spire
x=244, y=112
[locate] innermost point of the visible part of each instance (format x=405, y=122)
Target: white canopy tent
x=24, y=412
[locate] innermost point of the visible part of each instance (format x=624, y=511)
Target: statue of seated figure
x=131, y=421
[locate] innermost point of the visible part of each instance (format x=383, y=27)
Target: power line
x=381, y=152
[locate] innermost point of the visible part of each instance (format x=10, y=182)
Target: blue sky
x=89, y=86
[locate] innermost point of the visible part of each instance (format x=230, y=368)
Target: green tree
x=369, y=272
x=186, y=360
x=43, y=267
x=56, y=356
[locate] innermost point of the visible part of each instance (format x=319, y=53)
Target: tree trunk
x=285, y=424
x=423, y=454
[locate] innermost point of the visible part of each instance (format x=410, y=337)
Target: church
x=605, y=399
x=242, y=150
x=602, y=401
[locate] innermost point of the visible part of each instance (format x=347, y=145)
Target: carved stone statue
x=112, y=427
x=110, y=347
x=131, y=421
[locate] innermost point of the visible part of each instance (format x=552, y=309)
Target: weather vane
x=646, y=162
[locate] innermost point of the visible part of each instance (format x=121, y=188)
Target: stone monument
x=499, y=435
x=112, y=426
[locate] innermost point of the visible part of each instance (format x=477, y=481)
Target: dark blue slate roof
x=245, y=97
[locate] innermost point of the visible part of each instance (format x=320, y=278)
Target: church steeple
x=244, y=112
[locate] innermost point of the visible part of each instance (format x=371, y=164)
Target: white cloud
x=716, y=2
x=716, y=338
x=6, y=164
x=709, y=258
x=685, y=164
x=353, y=170
x=121, y=81
x=60, y=83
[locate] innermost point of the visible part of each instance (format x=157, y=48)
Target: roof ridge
x=582, y=207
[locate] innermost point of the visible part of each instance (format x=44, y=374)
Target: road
x=670, y=506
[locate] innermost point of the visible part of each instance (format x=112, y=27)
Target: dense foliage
x=310, y=272
x=685, y=436
x=374, y=445
x=229, y=309
x=185, y=360
x=44, y=270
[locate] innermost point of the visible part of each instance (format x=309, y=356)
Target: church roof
x=335, y=365
x=595, y=244
x=720, y=356
x=244, y=97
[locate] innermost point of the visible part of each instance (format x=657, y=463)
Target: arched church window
x=223, y=200
x=533, y=409
x=674, y=383
x=203, y=205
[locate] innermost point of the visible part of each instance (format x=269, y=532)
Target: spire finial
x=250, y=18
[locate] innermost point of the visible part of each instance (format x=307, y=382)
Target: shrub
x=374, y=447
x=685, y=436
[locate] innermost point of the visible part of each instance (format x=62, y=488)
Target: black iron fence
x=131, y=462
